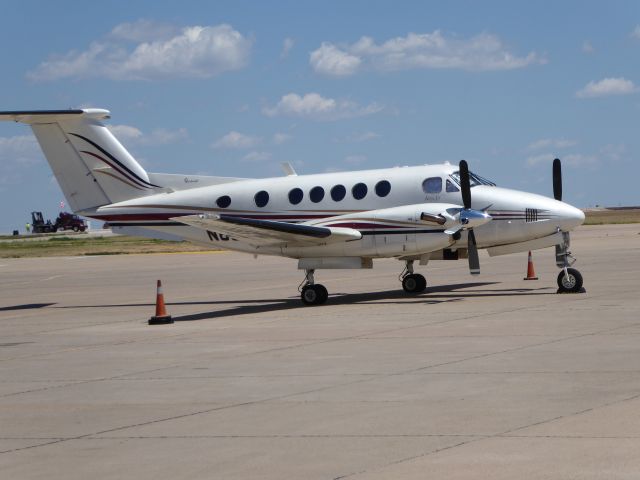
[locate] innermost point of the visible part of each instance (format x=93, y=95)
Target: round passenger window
x=359, y=191
x=261, y=198
x=316, y=194
x=338, y=192
x=295, y=196
x=223, y=201
x=383, y=187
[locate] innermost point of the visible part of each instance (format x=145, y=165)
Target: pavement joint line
x=567, y=303
x=338, y=435
x=504, y=435
x=253, y=402
x=343, y=339
x=80, y=382
x=175, y=417
x=369, y=374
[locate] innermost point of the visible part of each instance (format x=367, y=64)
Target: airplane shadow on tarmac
x=433, y=295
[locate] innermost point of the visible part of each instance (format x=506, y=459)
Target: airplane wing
x=270, y=232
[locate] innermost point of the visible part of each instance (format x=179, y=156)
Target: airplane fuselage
x=385, y=205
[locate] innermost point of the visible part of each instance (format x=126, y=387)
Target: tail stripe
x=124, y=174
x=121, y=180
x=114, y=159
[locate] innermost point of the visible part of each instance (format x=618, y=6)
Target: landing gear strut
x=569, y=279
x=312, y=293
x=412, y=282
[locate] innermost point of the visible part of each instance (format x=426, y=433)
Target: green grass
x=85, y=245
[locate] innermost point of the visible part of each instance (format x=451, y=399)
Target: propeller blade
x=472, y=250
x=427, y=217
x=465, y=185
x=557, y=179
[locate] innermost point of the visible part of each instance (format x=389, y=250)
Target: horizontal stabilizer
x=269, y=232
x=49, y=116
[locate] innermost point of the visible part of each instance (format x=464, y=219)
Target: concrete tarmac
x=479, y=377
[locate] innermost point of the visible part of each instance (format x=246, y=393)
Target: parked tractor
x=65, y=221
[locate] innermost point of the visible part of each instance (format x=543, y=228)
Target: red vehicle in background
x=65, y=221
x=69, y=221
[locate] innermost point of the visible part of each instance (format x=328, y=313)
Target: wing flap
x=270, y=232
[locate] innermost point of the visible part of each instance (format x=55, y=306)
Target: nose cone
x=569, y=217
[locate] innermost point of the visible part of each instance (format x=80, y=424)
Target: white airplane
x=329, y=220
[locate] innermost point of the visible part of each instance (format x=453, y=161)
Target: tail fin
x=90, y=164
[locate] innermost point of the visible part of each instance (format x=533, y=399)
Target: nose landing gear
x=569, y=279
x=412, y=282
x=312, y=293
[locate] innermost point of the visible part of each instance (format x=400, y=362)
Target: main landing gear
x=569, y=279
x=412, y=282
x=312, y=293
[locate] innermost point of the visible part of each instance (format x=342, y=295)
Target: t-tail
x=90, y=164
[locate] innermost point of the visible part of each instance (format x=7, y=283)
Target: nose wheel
x=569, y=279
x=412, y=282
x=312, y=293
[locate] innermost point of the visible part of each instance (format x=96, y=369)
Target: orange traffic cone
x=531, y=273
x=161, y=317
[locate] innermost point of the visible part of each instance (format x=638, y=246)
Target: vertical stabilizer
x=90, y=164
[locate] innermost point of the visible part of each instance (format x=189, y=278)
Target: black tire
x=414, y=283
x=323, y=294
x=572, y=284
x=75, y=229
x=422, y=283
x=314, y=294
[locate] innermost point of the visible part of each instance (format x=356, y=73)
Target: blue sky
x=234, y=88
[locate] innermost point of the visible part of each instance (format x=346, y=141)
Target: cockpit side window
x=432, y=185
x=474, y=180
x=451, y=187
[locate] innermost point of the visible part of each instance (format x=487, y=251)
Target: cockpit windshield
x=474, y=180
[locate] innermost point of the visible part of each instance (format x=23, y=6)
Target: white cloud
x=18, y=154
x=612, y=153
x=330, y=60
x=636, y=32
x=573, y=159
x=287, y=45
x=236, y=140
x=363, y=137
x=280, y=138
x=355, y=159
x=160, y=136
x=424, y=50
x=317, y=107
x=20, y=150
x=551, y=143
x=587, y=47
x=125, y=132
x=143, y=31
x=194, y=52
x=256, y=157
x=607, y=86
x=578, y=159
